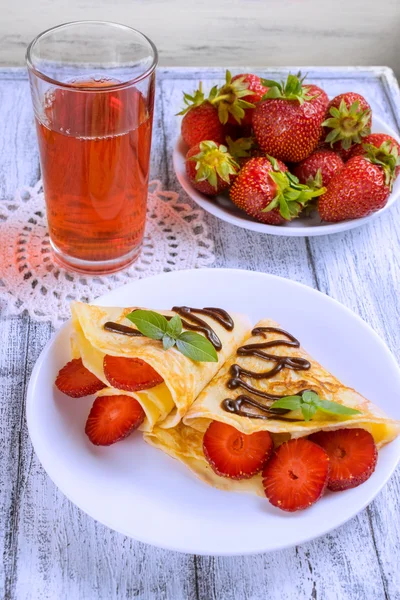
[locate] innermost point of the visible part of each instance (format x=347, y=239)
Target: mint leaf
x=334, y=408
x=310, y=397
x=309, y=402
x=308, y=411
x=289, y=402
x=168, y=342
x=174, y=327
x=149, y=323
x=196, y=347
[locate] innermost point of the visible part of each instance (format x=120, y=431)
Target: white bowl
x=221, y=206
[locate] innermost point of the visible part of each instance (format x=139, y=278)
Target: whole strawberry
x=348, y=119
x=236, y=99
x=359, y=189
x=385, y=145
x=200, y=121
x=318, y=169
x=265, y=190
x=210, y=168
x=288, y=122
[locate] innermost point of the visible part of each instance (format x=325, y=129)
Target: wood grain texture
x=283, y=32
x=51, y=549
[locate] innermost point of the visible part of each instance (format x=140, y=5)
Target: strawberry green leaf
x=315, y=183
x=273, y=162
x=270, y=83
x=292, y=89
x=386, y=156
x=213, y=160
x=291, y=196
x=240, y=148
x=354, y=108
x=229, y=99
x=273, y=92
x=347, y=125
x=191, y=101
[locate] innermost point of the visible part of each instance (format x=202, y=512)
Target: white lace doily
x=176, y=237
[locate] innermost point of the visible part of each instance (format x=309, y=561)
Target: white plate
x=140, y=492
x=224, y=209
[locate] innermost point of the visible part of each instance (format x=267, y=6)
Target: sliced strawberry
x=352, y=453
x=234, y=454
x=77, y=381
x=296, y=475
x=112, y=418
x=130, y=374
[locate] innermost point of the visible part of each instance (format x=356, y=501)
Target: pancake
x=184, y=379
x=273, y=363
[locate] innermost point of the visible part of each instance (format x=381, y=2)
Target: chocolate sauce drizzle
x=123, y=329
x=196, y=324
x=190, y=322
x=236, y=405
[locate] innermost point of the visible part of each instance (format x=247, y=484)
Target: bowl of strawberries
x=282, y=158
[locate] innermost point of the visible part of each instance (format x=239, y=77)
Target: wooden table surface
x=50, y=548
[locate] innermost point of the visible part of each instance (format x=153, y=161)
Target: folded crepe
x=166, y=403
x=270, y=365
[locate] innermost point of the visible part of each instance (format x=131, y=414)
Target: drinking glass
x=92, y=85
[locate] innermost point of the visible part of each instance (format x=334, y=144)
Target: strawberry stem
x=192, y=101
x=242, y=147
x=387, y=157
x=348, y=125
x=214, y=161
x=291, y=196
x=229, y=98
x=291, y=89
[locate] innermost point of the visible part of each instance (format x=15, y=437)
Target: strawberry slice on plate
x=130, y=374
x=353, y=456
x=113, y=418
x=296, y=475
x=76, y=381
x=233, y=454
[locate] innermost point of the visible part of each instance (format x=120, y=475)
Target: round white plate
x=224, y=209
x=140, y=492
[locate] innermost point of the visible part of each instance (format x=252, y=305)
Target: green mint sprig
x=309, y=402
x=157, y=327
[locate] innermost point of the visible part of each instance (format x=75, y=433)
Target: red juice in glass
x=94, y=135
x=94, y=152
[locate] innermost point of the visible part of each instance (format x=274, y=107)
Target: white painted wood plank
x=13, y=350
x=363, y=272
x=257, y=576
x=59, y=552
x=51, y=548
x=229, y=31
x=18, y=148
x=336, y=567
x=56, y=550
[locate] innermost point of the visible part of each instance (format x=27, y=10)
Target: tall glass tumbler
x=92, y=85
